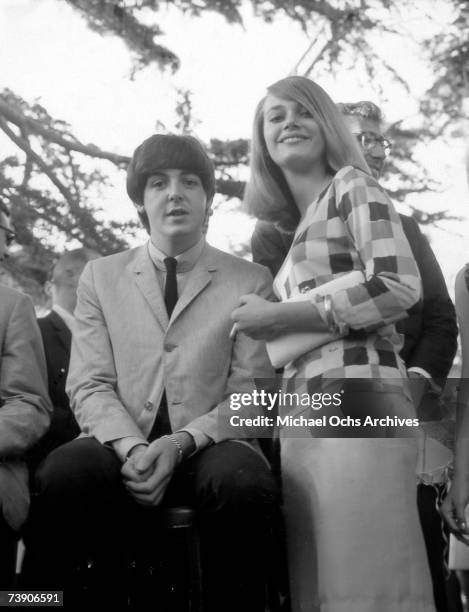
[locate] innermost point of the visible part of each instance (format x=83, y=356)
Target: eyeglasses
x=369, y=141
x=9, y=235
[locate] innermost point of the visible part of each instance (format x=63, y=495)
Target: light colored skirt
x=353, y=533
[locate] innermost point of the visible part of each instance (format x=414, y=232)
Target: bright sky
x=48, y=53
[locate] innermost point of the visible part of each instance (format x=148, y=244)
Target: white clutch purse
x=288, y=347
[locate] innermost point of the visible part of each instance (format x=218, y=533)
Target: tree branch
x=34, y=126
x=25, y=147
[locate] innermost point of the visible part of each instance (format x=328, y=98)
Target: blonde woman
x=352, y=527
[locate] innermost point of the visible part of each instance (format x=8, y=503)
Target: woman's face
x=293, y=138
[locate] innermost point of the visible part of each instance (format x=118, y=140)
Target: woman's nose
x=291, y=119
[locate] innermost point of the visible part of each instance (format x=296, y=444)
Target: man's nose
x=377, y=151
x=175, y=191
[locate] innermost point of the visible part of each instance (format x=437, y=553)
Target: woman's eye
x=304, y=112
x=275, y=118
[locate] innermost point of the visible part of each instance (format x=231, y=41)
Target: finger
x=145, y=500
x=459, y=508
x=461, y=538
x=246, y=298
x=448, y=513
x=148, y=459
x=129, y=472
x=147, y=493
x=234, y=331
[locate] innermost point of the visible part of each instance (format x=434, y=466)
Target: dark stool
x=168, y=573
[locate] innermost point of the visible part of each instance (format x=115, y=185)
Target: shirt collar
x=186, y=260
x=66, y=316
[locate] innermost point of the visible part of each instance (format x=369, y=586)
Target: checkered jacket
x=352, y=225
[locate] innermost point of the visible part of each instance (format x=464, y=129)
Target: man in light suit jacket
x=152, y=369
x=24, y=406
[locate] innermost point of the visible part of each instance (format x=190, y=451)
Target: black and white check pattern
x=352, y=225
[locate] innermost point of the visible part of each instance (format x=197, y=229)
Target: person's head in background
x=63, y=283
x=365, y=121
x=7, y=234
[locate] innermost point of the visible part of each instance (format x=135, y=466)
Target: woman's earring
x=140, y=208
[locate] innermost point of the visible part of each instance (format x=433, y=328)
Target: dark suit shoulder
x=411, y=227
x=45, y=322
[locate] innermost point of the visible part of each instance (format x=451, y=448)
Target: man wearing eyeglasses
x=430, y=335
x=24, y=406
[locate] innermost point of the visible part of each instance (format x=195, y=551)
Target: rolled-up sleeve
x=392, y=286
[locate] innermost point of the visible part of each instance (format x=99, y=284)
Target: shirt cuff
x=201, y=440
x=123, y=445
x=433, y=387
x=420, y=371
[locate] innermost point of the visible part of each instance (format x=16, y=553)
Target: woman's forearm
x=296, y=317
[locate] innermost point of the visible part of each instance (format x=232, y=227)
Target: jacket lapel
x=199, y=278
x=144, y=273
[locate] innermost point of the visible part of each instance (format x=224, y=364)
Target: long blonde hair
x=267, y=194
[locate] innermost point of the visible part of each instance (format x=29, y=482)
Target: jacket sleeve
x=24, y=403
x=250, y=370
x=392, y=286
x=436, y=345
x=92, y=377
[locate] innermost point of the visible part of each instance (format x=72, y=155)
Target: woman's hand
x=255, y=317
x=452, y=509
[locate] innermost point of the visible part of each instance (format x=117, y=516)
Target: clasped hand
x=255, y=317
x=148, y=471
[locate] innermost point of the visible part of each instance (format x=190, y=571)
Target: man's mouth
x=177, y=212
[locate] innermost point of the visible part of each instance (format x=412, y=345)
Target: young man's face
x=374, y=153
x=176, y=206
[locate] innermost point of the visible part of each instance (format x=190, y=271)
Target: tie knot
x=170, y=263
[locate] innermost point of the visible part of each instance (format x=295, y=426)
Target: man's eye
x=191, y=182
x=157, y=183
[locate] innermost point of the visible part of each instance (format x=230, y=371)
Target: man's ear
x=48, y=289
x=208, y=214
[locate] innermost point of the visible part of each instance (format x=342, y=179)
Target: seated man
x=56, y=331
x=151, y=372
x=24, y=406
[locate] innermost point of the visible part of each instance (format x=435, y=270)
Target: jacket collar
x=144, y=273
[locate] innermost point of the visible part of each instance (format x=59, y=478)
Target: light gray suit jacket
x=125, y=352
x=24, y=403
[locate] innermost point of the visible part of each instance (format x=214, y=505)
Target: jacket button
x=148, y=405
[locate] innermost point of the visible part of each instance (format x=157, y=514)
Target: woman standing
x=352, y=527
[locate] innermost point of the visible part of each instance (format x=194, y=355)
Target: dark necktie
x=162, y=425
x=171, y=286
